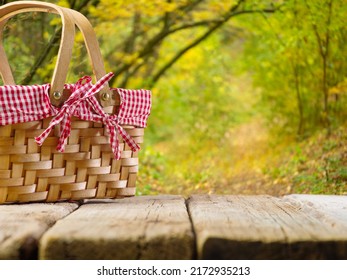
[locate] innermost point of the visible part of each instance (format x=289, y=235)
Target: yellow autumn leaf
x=334, y=90
x=339, y=88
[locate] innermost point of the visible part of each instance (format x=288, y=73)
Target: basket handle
x=106, y=96
x=65, y=51
x=64, y=56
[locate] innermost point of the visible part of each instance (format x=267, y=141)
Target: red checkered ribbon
x=20, y=104
x=134, y=110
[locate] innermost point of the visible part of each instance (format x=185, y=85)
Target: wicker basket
x=87, y=168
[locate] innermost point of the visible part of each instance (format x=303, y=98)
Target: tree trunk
x=299, y=102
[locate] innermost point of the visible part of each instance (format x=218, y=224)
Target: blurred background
x=249, y=96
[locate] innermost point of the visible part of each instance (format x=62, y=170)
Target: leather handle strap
x=65, y=50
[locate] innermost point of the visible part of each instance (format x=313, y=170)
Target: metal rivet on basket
x=57, y=95
x=105, y=96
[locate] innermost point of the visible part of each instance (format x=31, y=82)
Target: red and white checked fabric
x=134, y=110
x=20, y=104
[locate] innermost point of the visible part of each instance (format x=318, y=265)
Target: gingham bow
x=83, y=91
x=113, y=126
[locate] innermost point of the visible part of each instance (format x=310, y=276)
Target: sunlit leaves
x=288, y=46
x=207, y=123
x=124, y=9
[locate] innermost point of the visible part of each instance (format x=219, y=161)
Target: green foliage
x=243, y=91
x=316, y=165
x=296, y=54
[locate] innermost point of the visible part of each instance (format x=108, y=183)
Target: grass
x=207, y=134
x=249, y=161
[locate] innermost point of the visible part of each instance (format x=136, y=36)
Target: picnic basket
x=62, y=141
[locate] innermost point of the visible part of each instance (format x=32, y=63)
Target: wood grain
x=264, y=227
x=147, y=227
x=331, y=208
x=160, y=227
x=21, y=227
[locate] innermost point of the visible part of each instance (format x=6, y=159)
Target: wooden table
x=171, y=227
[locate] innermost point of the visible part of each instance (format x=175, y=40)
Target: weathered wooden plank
x=21, y=226
x=264, y=227
x=330, y=208
x=147, y=227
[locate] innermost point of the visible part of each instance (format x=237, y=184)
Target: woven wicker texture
x=86, y=169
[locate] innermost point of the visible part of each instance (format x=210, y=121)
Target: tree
x=132, y=33
x=300, y=54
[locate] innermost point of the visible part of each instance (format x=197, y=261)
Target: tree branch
x=162, y=71
x=72, y=4
x=129, y=73
x=194, y=24
x=49, y=47
x=154, y=41
x=216, y=21
x=218, y=24
x=54, y=39
x=190, y=6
